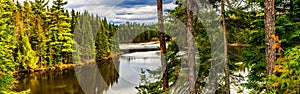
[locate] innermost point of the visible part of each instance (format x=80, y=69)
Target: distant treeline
x=132, y=32
x=94, y=37
x=135, y=32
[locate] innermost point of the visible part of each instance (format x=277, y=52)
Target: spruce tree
x=25, y=56
x=99, y=43
x=104, y=40
x=60, y=36
x=84, y=35
x=74, y=17
x=7, y=43
x=38, y=37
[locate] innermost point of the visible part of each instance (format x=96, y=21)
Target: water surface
x=119, y=75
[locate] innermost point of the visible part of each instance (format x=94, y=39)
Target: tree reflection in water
x=65, y=82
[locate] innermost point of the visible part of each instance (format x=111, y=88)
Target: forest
x=34, y=36
x=260, y=36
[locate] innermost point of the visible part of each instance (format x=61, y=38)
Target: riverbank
x=116, y=75
x=63, y=66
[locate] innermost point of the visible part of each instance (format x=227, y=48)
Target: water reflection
x=65, y=82
x=98, y=77
x=114, y=76
x=131, y=66
x=62, y=82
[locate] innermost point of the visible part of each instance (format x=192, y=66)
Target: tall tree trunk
x=227, y=73
x=191, y=48
x=269, y=31
x=162, y=45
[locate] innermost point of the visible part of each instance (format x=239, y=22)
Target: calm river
x=119, y=75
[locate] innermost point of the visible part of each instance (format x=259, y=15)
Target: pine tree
x=85, y=35
x=105, y=44
x=39, y=27
x=73, y=20
x=162, y=45
x=60, y=39
x=269, y=22
x=102, y=42
x=25, y=56
x=7, y=43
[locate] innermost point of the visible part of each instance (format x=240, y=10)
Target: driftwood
x=239, y=45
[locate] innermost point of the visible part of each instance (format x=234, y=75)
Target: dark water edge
x=65, y=81
x=51, y=82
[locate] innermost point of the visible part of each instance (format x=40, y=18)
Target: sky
x=120, y=11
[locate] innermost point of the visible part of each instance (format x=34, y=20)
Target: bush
x=286, y=77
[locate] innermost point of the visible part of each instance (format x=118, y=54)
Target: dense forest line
x=34, y=35
x=132, y=32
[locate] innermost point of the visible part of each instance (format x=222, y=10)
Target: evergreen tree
x=60, y=39
x=270, y=30
x=161, y=30
x=101, y=40
x=74, y=20
x=7, y=44
x=25, y=56
x=286, y=27
x=105, y=45
x=38, y=38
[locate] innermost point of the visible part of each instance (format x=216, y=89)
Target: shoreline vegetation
x=63, y=66
x=19, y=73
x=60, y=67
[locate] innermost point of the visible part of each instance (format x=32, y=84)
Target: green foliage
x=245, y=25
x=202, y=42
x=60, y=36
x=12, y=92
x=286, y=78
x=174, y=63
x=104, y=39
x=26, y=57
x=38, y=38
x=34, y=35
x=152, y=88
x=136, y=32
x=5, y=81
x=85, y=36
x=7, y=44
x=287, y=28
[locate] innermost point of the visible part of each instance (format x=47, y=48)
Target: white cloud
x=115, y=12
